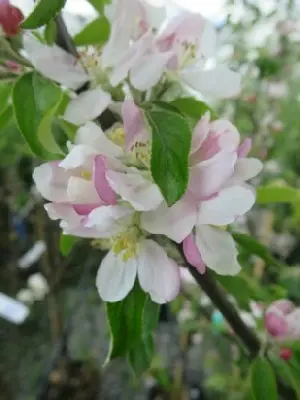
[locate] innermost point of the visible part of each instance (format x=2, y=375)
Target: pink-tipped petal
x=244, y=148
x=192, y=254
x=133, y=122
x=276, y=325
x=105, y=192
x=85, y=209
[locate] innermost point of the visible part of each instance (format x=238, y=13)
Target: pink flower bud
x=10, y=18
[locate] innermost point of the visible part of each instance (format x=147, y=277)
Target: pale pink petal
x=158, y=274
x=209, y=176
x=134, y=123
x=51, y=181
x=82, y=191
x=293, y=322
x=283, y=307
x=244, y=148
x=87, y=106
x=110, y=220
x=175, y=222
x=218, y=250
x=66, y=212
x=220, y=82
x=149, y=69
x=105, y=192
x=184, y=26
x=115, y=277
x=200, y=133
x=228, y=135
x=79, y=230
x=275, y=324
x=224, y=208
x=245, y=169
x=192, y=254
x=93, y=136
x=79, y=156
x=132, y=186
x=55, y=63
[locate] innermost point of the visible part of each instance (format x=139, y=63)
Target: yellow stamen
x=86, y=175
x=118, y=136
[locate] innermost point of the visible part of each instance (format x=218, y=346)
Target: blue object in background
x=218, y=321
x=19, y=226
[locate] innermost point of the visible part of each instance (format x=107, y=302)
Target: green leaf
x=141, y=355
x=287, y=374
x=252, y=246
x=66, y=243
x=192, y=107
x=99, y=4
x=290, y=279
x=44, y=11
x=276, y=194
x=95, y=33
x=34, y=116
x=126, y=322
x=50, y=32
x=5, y=91
x=263, y=380
x=171, y=141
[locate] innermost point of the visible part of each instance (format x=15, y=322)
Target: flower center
x=126, y=243
x=87, y=175
x=142, y=153
x=118, y=136
x=189, y=53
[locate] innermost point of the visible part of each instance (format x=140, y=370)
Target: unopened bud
x=10, y=18
x=285, y=354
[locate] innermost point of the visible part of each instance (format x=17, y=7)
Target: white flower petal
x=115, y=277
x=141, y=193
x=223, y=209
x=79, y=156
x=55, y=63
x=245, y=169
x=81, y=191
x=92, y=135
x=148, y=70
x=158, y=274
x=110, y=220
x=87, y=106
x=220, y=82
x=217, y=248
x=176, y=222
x=208, y=40
x=51, y=181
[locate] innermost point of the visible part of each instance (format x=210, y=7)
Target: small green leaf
x=66, y=243
x=50, y=32
x=192, y=107
x=126, y=322
x=34, y=115
x=44, y=11
x=252, y=246
x=171, y=141
x=141, y=355
x=276, y=194
x=95, y=33
x=99, y=4
x=263, y=380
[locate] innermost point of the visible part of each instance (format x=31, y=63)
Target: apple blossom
x=282, y=320
x=216, y=195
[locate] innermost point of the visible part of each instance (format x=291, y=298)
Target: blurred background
x=54, y=347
